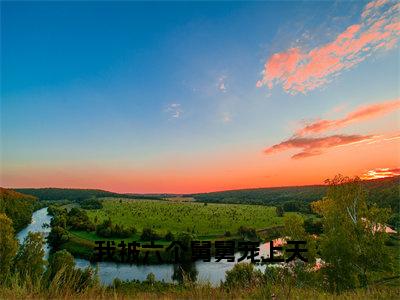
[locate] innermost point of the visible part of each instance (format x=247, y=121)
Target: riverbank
x=212, y=272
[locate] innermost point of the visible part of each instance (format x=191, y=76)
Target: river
x=213, y=272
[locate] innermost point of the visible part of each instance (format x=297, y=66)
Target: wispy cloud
x=360, y=114
x=380, y=173
x=226, y=117
x=312, y=146
x=298, y=70
x=221, y=84
x=174, y=110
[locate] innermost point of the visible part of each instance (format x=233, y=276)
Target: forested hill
x=18, y=207
x=385, y=192
x=294, y=198
x=55, y=194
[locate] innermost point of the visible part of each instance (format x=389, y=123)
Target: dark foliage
x=247, y=232
x=91, y=203
x=149, y=234
x=313, y=226
x=279, y=211
x=79, y=220
x=107, y=229
x=56, y=194
x=18, y=207
x=169, y=236
x=57, y=237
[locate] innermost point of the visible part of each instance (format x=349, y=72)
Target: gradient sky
x=191, y=97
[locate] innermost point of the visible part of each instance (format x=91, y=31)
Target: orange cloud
x=317, y=145
x=380, y=173
x=360, y=114
x=300, y=71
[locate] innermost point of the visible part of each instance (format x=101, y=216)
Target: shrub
x=243, y=275
x=169, y=236
x=107, y=229
x=149, y=234
x=247, y=232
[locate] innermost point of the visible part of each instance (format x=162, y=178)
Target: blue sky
x=156, y=88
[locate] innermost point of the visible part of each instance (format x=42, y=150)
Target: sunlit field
x=198, y=218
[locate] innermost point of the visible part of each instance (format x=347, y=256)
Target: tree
x=29, y=262
x=18, y=207
x=353, y=243
x=313, y=226
x=57, y=237
x=279, y=211
x=149, y=234
x=243, y=274
x=169, y=236
x=185, y=272
x=59, y=220
x=294, y=230
x=61, y=261
x=8, y=246
x=293, y=227
x=150, y=279
x=247, y=232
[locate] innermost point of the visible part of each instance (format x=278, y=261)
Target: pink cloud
x=301, y=71
x=311, y=146
x=360, y=114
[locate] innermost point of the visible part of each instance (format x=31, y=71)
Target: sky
x=185, y=97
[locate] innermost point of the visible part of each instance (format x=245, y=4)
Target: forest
x=58, y=194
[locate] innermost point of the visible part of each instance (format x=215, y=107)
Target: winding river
x=213, y=272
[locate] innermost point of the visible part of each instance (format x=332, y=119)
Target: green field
x=198, y=218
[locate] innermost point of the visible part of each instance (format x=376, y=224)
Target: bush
x=107, y=229
x=149, y=234
x=169, y=236
x=312, y=226
x=243, y=275
x=63, y=276
x=92, y=203
x=79, y=220
x=279, y=211
x=247, y=232
x=58, y=261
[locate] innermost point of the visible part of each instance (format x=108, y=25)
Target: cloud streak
x=362, y=113
x=222, y=86
x=380, y=173
x=299, y=71
x=175, y=110
x=311, y=146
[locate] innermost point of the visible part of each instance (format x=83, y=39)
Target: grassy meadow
x=177, y=216
x=205, y=221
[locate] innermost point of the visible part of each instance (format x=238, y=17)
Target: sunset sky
x=189, y=97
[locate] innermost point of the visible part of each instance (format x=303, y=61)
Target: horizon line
x=214, y=191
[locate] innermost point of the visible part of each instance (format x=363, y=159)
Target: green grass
x=210, y=220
